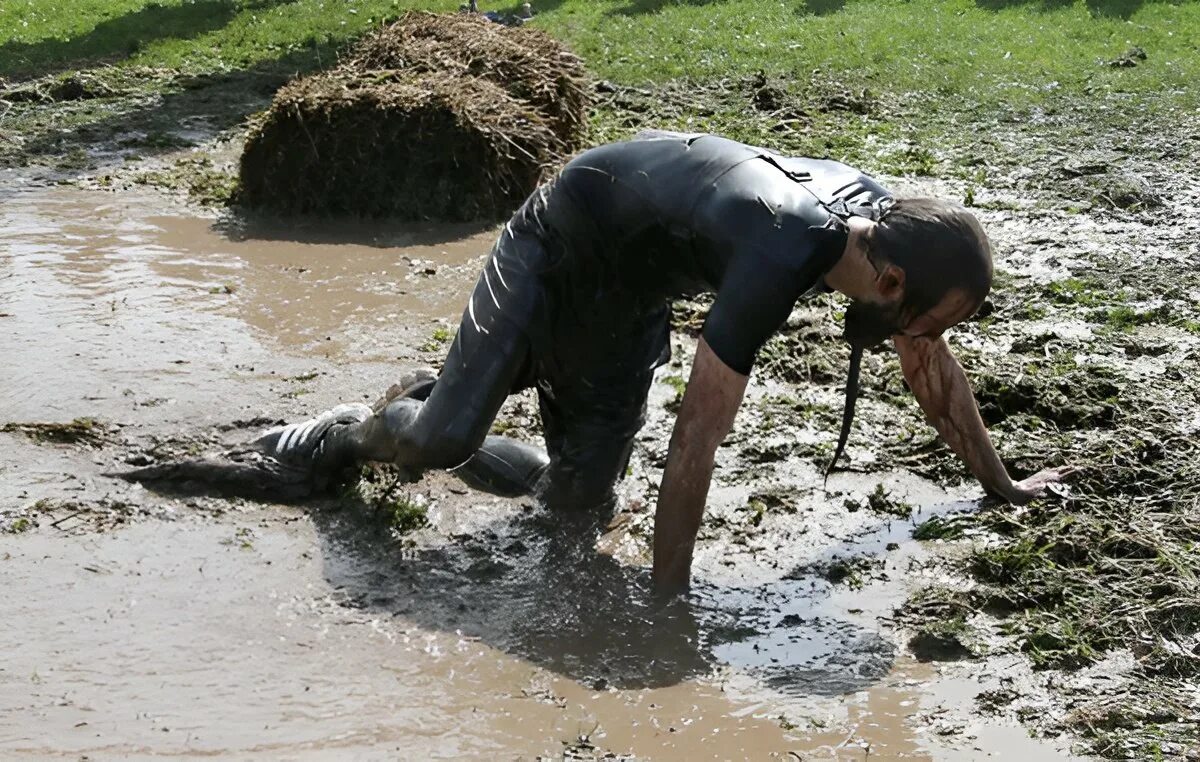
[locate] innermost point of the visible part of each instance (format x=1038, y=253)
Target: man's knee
x=576, y=490
x=399, y=431
x=439, y=449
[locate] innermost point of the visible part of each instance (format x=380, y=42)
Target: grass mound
x=414, y=146
x=446, y=117
x=530, y=65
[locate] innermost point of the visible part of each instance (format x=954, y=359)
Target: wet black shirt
x=668, y=215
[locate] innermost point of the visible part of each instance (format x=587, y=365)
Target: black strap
x=856, y=353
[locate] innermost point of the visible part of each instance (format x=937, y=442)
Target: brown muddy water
x=200, y=627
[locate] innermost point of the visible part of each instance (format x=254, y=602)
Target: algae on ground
x=85, y=431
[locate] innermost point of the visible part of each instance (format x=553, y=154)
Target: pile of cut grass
x=447, y=117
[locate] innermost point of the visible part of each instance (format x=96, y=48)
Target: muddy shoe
x=303, y=443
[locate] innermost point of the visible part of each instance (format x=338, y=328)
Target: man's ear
x=890, y=283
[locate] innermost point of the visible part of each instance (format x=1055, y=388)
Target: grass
x=19, y=525
x=677, y=383
x=938, y=528
x=880, y=501
x=85, y=431
x=406, y=515
x=1002, y=53
x=901, y=87
x=438, y=339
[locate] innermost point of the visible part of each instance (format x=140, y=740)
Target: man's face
x=868, y=323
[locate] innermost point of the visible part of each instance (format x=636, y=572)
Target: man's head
x=933, y=269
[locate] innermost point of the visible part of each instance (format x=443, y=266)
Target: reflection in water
x=101, y=296
x=537, y=588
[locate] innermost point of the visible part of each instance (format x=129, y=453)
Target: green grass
x=938, y=528
x=21, y=524
x=986, y=52
x=1079, y=291
x=438, y=339
x=405, y=515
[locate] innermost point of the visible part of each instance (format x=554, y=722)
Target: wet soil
x=144, y=624
x=819, y=628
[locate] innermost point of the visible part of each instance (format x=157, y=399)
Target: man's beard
x=869, y=324
x=866, y=325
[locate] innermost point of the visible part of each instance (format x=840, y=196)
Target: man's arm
x=714, y=393
x=941, y=388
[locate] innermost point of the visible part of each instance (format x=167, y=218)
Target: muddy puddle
x=208, y=627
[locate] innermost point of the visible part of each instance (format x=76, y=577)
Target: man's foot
x=303, y=443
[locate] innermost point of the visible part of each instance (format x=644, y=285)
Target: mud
x=154, y=624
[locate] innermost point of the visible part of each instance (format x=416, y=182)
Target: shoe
x=303, y=442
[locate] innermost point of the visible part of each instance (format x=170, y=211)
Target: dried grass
x=446, y=117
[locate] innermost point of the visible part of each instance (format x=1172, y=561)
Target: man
x=575, y=301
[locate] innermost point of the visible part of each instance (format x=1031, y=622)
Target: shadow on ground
x=1122, y=9
x=142, y=115
x=534, y=585
x=123, y=36
x=641, y=7
x=246, y=225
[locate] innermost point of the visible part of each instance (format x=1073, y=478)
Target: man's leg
x=589, y=454
x=592, y=408
x=484, y=363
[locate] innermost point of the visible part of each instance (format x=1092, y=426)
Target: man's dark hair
x=939, y=245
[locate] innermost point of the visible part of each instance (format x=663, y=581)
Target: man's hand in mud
x=1036, y=486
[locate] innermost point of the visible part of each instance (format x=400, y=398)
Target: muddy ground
x=440, y=622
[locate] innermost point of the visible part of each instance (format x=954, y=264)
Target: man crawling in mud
x=575, y=301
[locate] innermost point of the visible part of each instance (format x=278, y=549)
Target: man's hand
x=710, y=403
x=941, y=388
x=1037, y=485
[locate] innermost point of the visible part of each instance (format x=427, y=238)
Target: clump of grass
x=19, y=525
x=1057, y=391
x=910, y=160
x=880, y=501
x=848, y=571
x=680, y=386
x=204, y=183
x=758, y=511
x=936, y=602
x=405, y=514
x=1084, y=292
x=438, y=339
x=939, y=528
x=85, y=431
x=1125, y=319
x=503, y=426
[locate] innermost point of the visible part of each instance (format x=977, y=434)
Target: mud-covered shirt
x=668, y=215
